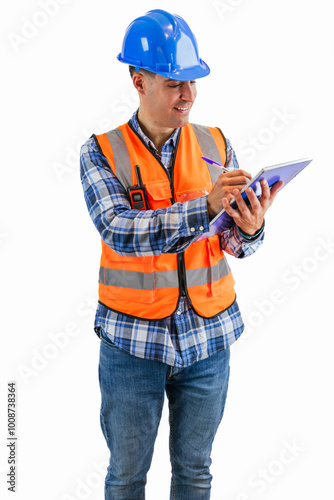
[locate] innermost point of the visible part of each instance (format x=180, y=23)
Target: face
x=167, y=103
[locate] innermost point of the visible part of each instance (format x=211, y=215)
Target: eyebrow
x=168, y=80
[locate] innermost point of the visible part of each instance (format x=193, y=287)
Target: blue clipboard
x=282, y=172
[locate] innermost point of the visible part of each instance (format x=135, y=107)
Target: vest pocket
x=190, y=194
x=159, y=194
x=218, y=267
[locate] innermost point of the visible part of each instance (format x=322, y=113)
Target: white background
x=61, y=82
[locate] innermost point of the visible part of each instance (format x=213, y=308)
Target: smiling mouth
x=182, y=109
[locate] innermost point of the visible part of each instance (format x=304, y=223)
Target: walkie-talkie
x=137, y=193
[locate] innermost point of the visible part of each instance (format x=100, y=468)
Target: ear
x=139, y=83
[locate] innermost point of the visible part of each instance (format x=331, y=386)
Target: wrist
x=251, y=237
x=211, y=213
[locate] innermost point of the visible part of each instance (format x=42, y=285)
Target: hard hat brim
x=180, y=74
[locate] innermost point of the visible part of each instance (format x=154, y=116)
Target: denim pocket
x=105, y=339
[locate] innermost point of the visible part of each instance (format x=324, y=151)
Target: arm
x=131, y=232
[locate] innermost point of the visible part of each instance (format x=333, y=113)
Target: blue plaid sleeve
x=233, y=243
x=131, y=232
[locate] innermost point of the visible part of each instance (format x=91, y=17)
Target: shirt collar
x=134, y=122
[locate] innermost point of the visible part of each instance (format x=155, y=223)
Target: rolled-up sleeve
x=234, y=243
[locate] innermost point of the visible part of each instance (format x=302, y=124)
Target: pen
x=214, y=163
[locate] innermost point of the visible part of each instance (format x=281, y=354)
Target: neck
x=158, y=135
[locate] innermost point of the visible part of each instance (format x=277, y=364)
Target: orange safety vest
x=149, y=287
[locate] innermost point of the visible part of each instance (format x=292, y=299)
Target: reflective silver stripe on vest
x=162, y=279
x=138, y=280
x=121, y=157
x=209, y=149
x=205, y=275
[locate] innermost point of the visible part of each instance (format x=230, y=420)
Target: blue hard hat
x=163, y=43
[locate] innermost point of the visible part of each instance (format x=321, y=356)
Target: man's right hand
x=223, y=188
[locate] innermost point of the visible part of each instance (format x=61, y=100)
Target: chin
x=182, y=121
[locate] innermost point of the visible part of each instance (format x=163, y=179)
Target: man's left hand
x=250, y=218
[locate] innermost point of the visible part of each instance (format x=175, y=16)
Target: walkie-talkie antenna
x=138, y=175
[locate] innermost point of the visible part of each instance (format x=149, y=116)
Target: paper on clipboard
x=283, y=172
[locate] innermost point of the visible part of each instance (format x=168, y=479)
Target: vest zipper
x=180, y=256
x=181, y=268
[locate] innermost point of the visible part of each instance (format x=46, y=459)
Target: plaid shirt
x=184, y=337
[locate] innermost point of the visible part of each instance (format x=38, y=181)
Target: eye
x=193, y=82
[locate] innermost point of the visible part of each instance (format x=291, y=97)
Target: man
x=167, y=312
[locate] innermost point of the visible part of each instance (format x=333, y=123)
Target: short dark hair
x=133, y=70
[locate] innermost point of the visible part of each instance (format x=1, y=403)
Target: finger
x=265, y=193
x=229, y=210
x=229, y=197
x=242, y=206
x=274, y=190
x=253, y=200
x=233, y=180
x=233, y=184
x=238, y=173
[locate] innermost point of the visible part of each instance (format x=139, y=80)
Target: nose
x=188, y=91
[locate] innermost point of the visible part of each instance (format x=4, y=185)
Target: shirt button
x=178, y=313
x=201, y=228
x=192, y=229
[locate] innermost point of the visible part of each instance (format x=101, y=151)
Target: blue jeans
x=132, y=392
